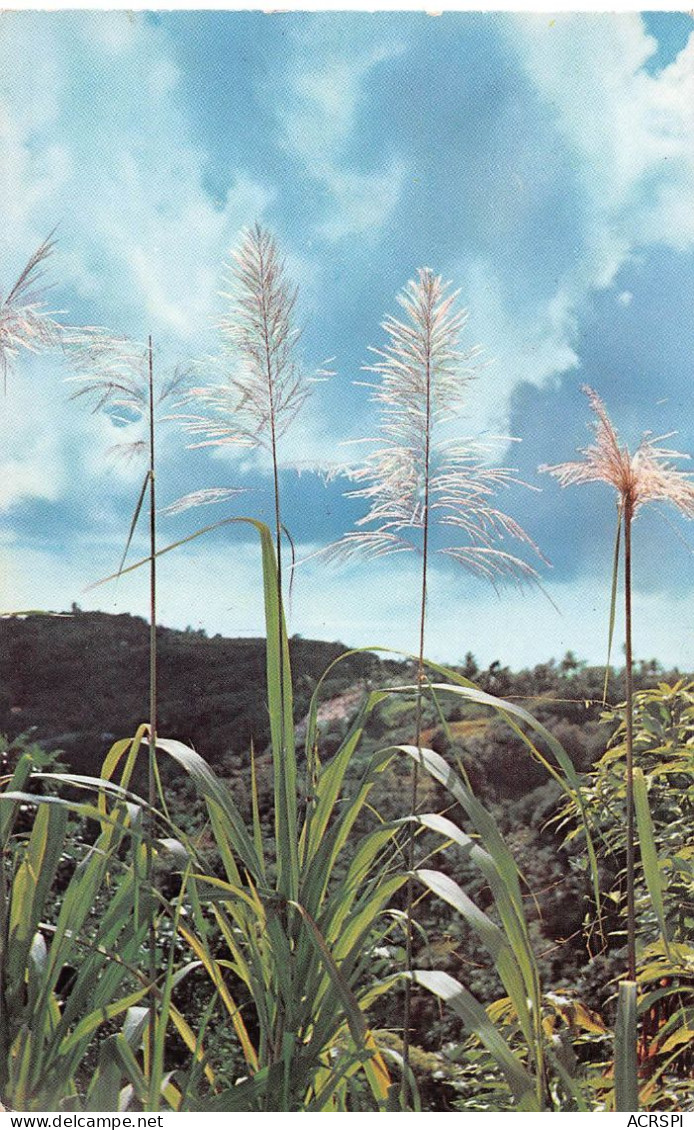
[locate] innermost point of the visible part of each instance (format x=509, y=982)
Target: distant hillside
x=82, y=680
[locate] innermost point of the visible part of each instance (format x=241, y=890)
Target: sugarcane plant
x=648, y=475
x=415, y=480
x=117, y=375
x=261, y=389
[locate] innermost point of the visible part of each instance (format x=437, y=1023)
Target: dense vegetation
x=51, y=699
x=332, y=882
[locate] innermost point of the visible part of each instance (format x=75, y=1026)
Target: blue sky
x=543, y=164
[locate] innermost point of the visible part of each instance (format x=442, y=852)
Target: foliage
x=81, y=707
x=664, y=751
x=295, y=943
x=231, y=944
x=664, y=879
x=65, y=973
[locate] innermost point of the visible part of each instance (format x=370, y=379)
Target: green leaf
x=136, y=515
x=476, y=1020
x=223, y=810
x=30, y=889
x=491, y=937
x=374, y=1066
x=613, y=602
x=565, y=774
x=649, y=853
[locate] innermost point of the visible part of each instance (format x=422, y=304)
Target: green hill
x=79, y=681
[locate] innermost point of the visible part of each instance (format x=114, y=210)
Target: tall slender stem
x=278, y=1034
x=151, y=773
x=407, y=1009
x=631, y=906
x=4, y=1031
x=266, y=332
x=152, y=583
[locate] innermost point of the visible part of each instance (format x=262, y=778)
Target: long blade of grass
x=219, y=799
x=329, y=784
x=649, y=854
x=613, y=601
x=29, y=892
x=482, y=820
x=510, y=903
x=135, y=519
x=214, y=971
x=279, y=697
x=567, y=777
x=476, y=1021
x=504, y=895
x=255, y=809
x=281, y=712
x=491, y=937
x=166, y=549
x=374, y=1065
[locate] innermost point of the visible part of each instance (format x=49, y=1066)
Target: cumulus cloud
x=629, y=138
x=94, y=135
x=631, y=132
x=327, y=91
x=536, y=163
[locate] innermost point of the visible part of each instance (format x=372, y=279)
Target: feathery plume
x=412, y=479
x=24, y=321
x=264, y=387
x=257, y=403
x=112, y=373
x=649, y=475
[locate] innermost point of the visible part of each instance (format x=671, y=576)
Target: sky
x=543, y=164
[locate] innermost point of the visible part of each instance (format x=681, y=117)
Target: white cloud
x=519, y=628
x=631, y=132
x=318, y=123
x=219, y=588
x=514, y=349
x=631, y=138
x=33, y=456
x=94, y=135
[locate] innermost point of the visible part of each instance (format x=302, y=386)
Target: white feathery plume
x=264, y=387
x=112, y=372
x=646, y=476
x=24, y=321
x=414, y=480
x=649, y=475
